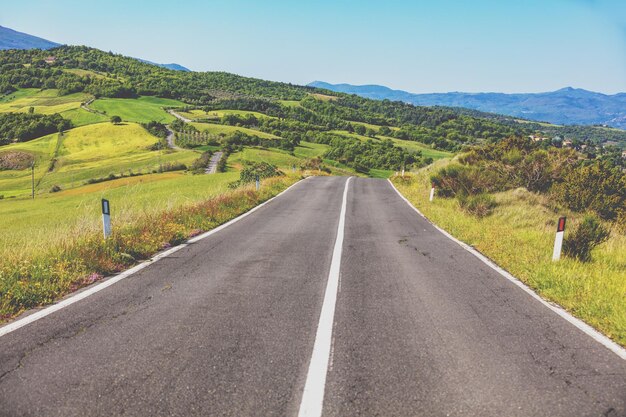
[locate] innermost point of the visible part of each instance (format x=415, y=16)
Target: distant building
x=624, y=154
x=567, y=143
x=50, y=59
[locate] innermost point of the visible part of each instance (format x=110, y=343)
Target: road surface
x=215, y=159
x=228, y=326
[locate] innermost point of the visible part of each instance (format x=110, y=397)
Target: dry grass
x=519, y=236
x=30, y=281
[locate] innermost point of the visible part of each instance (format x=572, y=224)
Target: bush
x=589, y=234
x=55, y=189
x=456, y=180
x=260, y=170
x=479, y=205
x=599, y=186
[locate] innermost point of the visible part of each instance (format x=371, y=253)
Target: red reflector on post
x=561, y=226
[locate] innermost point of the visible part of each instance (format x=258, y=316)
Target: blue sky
x=419, y=46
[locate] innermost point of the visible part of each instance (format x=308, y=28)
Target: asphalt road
x=227, y=326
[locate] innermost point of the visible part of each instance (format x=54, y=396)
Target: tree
x=116, y=120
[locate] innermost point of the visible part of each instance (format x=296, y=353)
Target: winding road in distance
x=333, y=299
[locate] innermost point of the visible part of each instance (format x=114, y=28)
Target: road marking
x=13, y=326
x=313, y=395
x=581, y=325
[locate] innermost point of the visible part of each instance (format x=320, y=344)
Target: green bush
x=250, y=173
x=479, y=205
x=599, y=186
x=589, y=234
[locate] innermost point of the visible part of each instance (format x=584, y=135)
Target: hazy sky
x=419, y=46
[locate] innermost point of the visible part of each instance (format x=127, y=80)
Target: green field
x=84, y=153
x=141, y=110
x=217, y=114
x=216, y=129
x=81, y=117
x=30, y=226
x=426, y=150
x=42, y=101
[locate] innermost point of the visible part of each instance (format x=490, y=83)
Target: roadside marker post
x=403, y=172
x=432, y=192
x=106, y=218
x=258, y=183
x=558, y=240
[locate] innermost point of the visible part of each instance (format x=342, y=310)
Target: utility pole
x=32, y=176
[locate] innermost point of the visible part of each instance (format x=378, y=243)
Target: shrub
x=55, y=189
x=479, y=205
x=250, y=173
x=599, y=186
x=589, y=234
x=457, y=179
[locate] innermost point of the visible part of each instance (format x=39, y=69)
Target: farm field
x=217, y=129
x=53, y=218
x=426, y=150
x=42, y=101
x=84, y=153
x=141, y=110
x=216, y=114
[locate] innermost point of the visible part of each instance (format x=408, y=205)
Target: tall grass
x=27, y=281
x=519, y=236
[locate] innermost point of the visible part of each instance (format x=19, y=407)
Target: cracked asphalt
x=226, y=326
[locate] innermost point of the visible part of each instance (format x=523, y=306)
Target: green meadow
x=85, y=153
x=217, y=129
x=141, y=110
x=33, y=225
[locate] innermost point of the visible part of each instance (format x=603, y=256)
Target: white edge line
x=312, y=401
x=13, y=326
x=581, y=325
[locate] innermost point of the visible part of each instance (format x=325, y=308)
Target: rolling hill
x=12, y=39
x=567, y=106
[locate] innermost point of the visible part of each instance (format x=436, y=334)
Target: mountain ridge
x=566, y=106
x=12, y=39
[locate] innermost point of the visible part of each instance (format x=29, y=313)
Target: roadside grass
x=30, y=226
x=519, y=237
x=380, y=173
x=27, y=281
x=84, y=153
x=141, y=110
x=217, y=129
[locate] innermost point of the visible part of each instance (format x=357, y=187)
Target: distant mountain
x=567, y=106
x=175, y=67
x=11, y=39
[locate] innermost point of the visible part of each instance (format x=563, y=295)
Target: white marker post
x=558, y=240
x=403, y=172
x=258, y=183
x=106, y=218
x=432, y=192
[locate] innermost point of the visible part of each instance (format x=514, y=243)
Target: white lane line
x=13, y=326
x=581, y=325
x=313, y=395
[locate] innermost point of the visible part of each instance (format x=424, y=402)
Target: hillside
x=12, y=39
x=567, y=106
